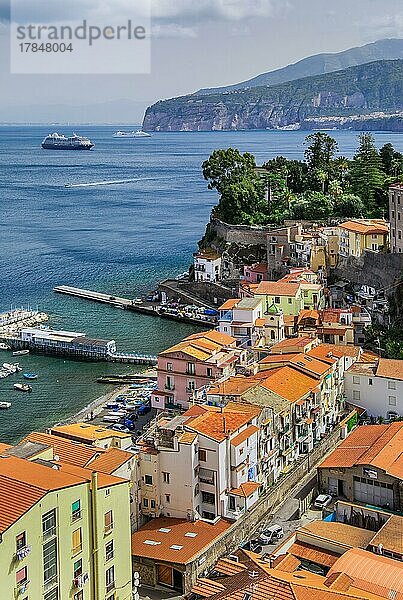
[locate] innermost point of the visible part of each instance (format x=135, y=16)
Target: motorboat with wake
x=22, y=387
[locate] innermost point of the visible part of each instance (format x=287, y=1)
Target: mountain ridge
x=374, y=88
x=319, y=64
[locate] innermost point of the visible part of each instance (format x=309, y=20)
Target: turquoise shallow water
x=121, y=239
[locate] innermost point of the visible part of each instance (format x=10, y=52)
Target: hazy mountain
x=390, y=49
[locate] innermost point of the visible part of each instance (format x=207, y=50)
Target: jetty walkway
x=153, y=309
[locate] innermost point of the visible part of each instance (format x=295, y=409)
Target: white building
x=377, y=387
x=207, y=266
x=242, y=319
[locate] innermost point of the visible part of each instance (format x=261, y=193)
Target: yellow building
x=285, y=295
x=64, y=529
x=360, y=235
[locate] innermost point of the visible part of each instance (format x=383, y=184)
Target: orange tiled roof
x=289, y=383
x=371, y=572
x=246, y=489
x=277, y=358
x=4, y=447
x=310, y=364
x=244, y=435
x=228, y=304
x=314, y=554
x=206, y=587
x=308, y=314
x=276, y=288
x=110, y=460
x=187, y=547
x=104, y=479
x=390, y=535
x=355, y=537
x=214, y=336
x=365, y=227
x=75, y=453
x=327, y=352
x=260, y=322
x=24, y=483
x=392, y=369
x=187, y=438
x=87, y=431
x=298, y=342
x=233, y=386
x=376, y=445
x=218, y=426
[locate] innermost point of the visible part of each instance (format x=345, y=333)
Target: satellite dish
x=136, y=575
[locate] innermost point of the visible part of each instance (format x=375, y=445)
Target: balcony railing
x=108, y=528
x=51, y=532
x=76, y=549
x=76, y=516
x=169, y=387
x=22, y=552
x=110, y=586
x=49, y=583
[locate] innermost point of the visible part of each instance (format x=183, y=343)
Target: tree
x=319, y=157
x=312, y=206
x=366, y=174
x=392, y=161
x=349, y=206
x=241, y=189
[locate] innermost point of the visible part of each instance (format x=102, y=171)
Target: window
x=152, y=503
x=78, y=568
x=49, y=523
x=231, y=503
x=50, y=561
x=289, y=300
x=148, y=479
x=54, y=595
x=191, y=386
x=370, y=381
x=166, y=477
x=356, y=395
x=21, y=541
x=196, y=492
x=241, y=450
x=110, y=579
x=108, y=521
x=356, y=379
x=168, y=498
x=391, y=385
x=107, y=492
x=191, y=368
x=145, y=502
x=77, y=544
x=169, y=366
x=392, y=400
x=79, y=595
x=208, y=498
x=76, y=510
x=109, y=551
x=21, y=576
x=277, y=300
x=202, y=455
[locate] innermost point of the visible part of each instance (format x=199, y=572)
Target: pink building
x=255, y=273
x=186, y=368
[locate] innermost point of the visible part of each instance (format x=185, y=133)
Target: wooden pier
x=146, y=308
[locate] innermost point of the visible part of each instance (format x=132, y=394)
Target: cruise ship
x=54, y=141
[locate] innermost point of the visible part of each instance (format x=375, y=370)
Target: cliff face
x=343, y=98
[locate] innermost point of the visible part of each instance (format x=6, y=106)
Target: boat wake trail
x=96, y=183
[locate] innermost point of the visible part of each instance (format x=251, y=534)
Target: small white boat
x=4, y=346
x=4, y=373
x=4, y=405
x=131, y=134
x=20, y=352
x=12, y=368
x=22, y=387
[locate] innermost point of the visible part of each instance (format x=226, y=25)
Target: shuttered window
x=76, y=541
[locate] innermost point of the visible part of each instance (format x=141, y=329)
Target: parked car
x=322, y=501
x=253, y=546
x=119, y=427
x=143, y=410
x=271, y=535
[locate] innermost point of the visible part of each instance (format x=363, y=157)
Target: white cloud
x=207, y=10
x=172, y=30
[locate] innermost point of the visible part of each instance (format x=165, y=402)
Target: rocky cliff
x=344, y=99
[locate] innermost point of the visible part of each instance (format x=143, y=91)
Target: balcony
x=169, y=387
x=49, y=533
x=76, y=549
x=80, y=581
x=21, y=588
x=22, y=552
x=50, y=583
x=110, y=586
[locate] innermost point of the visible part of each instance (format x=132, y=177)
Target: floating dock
x=146, y=308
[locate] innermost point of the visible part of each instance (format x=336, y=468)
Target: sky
x=194, y=44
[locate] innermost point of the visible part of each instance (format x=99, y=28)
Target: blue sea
x=120, y=239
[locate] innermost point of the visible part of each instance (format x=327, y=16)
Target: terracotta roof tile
x=314, y=554
x=244, y=435
x=390, y=535
x=110, y=460
x=226, y=566
x=365, y=227
x=371, y=572
x=355, y=537
x=70, y=451
x=87, y=431
x=276, y=288
x=330, y=352
x=289, y=383
x=218, y=426
x=188, y=546
x=228, y=304
x=392, y=369
x=246, y=489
